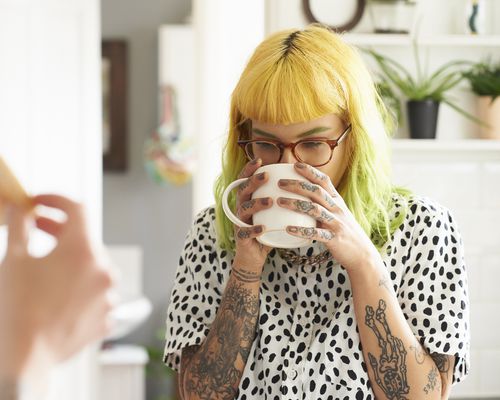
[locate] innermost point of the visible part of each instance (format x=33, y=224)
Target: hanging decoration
x=168, y=154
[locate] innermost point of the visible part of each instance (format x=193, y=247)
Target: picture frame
x=114, y=68
x=307, y=8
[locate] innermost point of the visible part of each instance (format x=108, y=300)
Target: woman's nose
x=288, y=157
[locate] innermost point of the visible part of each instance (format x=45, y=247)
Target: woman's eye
x=265, y=146
x=311, y=145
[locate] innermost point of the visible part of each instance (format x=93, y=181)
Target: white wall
x=136, y=210
x=50, y=121
x=226, y=32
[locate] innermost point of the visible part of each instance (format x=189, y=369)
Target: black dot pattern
x=307, y=342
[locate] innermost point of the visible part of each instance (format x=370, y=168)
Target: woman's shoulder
x=419, y=207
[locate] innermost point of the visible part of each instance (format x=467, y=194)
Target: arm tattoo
x=384, y=281
x=215, y=371
x=187, y=355
x=442, y=362
x=419, y=352
x=390, y=369
x=433, y=381
x=245, y=276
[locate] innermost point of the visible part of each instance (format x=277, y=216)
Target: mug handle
x=225, y=206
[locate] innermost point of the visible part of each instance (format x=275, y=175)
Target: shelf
x=367, y=39
x=461, y=145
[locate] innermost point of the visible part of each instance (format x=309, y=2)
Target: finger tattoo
x=243, y=234
x=248, y=204
x=326, y=216
x=326, y=235
x=304, y=206
x=309, y=187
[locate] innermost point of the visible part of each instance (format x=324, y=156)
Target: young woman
x=376, y=307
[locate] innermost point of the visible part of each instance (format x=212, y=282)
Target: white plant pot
x=489, y=113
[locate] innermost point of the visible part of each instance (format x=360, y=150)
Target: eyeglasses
x=315, y=152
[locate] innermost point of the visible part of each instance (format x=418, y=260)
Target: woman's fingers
x=319, y=234
x=316, y=176
x=314, y=210
x=49, y=226
x=310, y=190
x=250, y=168
x=17, y=222
x=246, y=189
x=249, y=233
x=248, y=208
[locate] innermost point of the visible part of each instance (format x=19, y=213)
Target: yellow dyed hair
x=299, y=75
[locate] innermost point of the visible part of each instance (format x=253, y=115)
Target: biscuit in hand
x=11, y=192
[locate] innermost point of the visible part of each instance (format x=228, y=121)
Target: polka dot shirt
x=307, y=344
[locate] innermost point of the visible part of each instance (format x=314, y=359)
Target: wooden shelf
x=371, y=39
x=459, y=145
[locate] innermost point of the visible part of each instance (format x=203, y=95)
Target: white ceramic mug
x=276, y=218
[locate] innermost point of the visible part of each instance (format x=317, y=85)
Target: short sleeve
x=433, y=293
x=196, y=292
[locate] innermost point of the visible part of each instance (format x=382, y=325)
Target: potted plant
x=425, y=92
x=392, y=16
x=392, y=104
x=484, y=80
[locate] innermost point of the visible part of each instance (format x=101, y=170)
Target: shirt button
x=293, y=373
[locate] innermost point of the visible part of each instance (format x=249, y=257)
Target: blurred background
x=124, y=105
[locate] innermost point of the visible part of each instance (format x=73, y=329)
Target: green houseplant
x=484, y=80
x=423, y=92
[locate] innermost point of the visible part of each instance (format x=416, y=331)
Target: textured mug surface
x=275, y=218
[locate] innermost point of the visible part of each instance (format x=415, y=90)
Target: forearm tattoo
x=216, y=369
x=245, y=276
x=384, y=281
x=390, y=370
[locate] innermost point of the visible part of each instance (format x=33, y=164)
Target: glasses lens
x=267, y=151
x=313, y=153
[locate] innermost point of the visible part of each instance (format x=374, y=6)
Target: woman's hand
x=250, y=253
x=337, y=227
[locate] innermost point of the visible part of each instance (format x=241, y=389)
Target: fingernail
x=292, y=229
x=283, y=182
x=300, y=165
x=282, y=201
x=265, y=201
x=258, y=229
x=261, y=176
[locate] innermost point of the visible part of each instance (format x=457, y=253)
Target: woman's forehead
x=331, y=121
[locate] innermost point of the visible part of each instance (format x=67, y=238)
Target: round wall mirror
x=340, y=15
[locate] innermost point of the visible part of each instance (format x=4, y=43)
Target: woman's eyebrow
x=303, y=134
